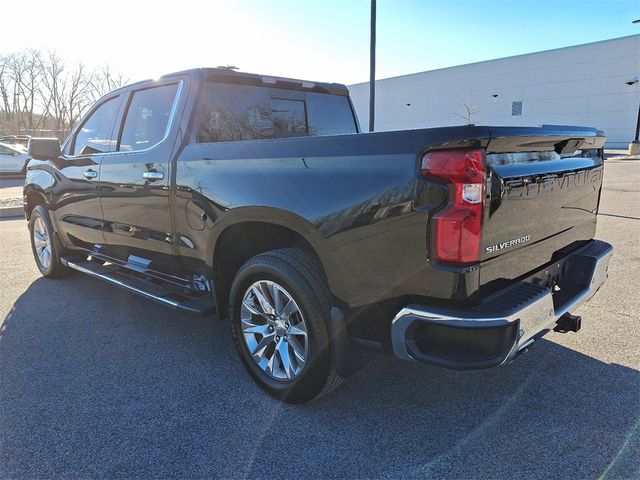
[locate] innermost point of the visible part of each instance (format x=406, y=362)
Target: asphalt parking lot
x=95, y=382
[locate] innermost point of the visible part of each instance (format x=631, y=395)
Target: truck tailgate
x=543, y=191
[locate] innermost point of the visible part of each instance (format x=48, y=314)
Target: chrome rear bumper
x=493, y=332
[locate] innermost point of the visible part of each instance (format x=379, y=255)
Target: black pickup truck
x=257, y=198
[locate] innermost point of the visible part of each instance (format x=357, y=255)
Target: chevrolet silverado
x=257, y=198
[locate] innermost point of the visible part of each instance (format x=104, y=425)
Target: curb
x=11, y=212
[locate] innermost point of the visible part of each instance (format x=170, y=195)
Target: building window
x=516, y=109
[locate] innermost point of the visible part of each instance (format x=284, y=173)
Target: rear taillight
x=456, y=229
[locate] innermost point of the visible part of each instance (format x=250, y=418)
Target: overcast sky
x=316, y=40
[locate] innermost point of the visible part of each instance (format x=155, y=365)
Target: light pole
x=372, y=67
x=634, y=147
x=636, y=139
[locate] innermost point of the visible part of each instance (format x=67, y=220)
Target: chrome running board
x=121, y=278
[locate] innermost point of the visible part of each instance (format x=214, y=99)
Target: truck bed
x=367, y=208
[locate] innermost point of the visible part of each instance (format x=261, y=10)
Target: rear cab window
x=246, y=112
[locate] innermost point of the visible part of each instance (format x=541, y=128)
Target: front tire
x=279, y=311
x=45, y=248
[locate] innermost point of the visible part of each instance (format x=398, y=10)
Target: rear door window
x=147, y=118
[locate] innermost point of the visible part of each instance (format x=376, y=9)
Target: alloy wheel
x=274, y=330
x=42, y=243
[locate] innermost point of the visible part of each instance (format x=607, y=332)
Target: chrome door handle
x=152, y=176
x=89, y=174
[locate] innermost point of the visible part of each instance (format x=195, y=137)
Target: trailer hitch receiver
x=568, y=323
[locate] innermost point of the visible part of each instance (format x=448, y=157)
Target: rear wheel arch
x=241, y=241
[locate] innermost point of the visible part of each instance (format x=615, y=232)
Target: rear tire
x=284, y=343
x=44, y=245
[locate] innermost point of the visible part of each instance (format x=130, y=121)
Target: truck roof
x=226, y=75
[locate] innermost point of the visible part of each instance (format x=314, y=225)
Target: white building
x=594, y=85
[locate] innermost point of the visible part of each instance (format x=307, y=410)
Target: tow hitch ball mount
x=568, y=323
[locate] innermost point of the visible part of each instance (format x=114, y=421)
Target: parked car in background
x=13, y=159
x=21, y=142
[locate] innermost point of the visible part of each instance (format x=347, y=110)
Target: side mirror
x=44, y=148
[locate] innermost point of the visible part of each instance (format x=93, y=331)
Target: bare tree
x=468, y=112
x=27, y=70
x=66, y=93
x=78, y=97
x=54, y=84
x=103, y=81
x=5, y=87
x=39, y=91
x=17, y=72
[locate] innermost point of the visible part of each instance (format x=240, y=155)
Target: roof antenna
x=228, y=67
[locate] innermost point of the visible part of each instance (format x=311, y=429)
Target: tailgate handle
x=569, y=145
